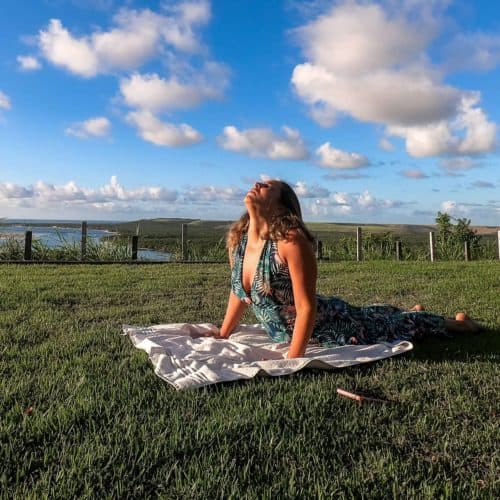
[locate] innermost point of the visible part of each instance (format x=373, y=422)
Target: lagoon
x=58, y=233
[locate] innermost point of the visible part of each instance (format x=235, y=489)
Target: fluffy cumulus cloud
x=342, y=203
x=154, y=93
x=93, y=127
x=369, y=61
x=136, y=36
x=4, y=101
x=330, y=157
x=28, y=63
x=46, y=195
x=318, y=200
x=153, y=130
x=264, y=143
x=470, y=133
x=10, y=191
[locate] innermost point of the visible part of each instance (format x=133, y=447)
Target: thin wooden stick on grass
x=359, y=397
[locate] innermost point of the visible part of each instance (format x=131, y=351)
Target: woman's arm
x=234, y=311
x=299, y=256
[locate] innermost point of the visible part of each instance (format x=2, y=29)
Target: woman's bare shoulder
x=295, y=241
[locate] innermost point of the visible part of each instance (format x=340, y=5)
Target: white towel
x=185, y=357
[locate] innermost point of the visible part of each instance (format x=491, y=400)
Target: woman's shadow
x=483, y=346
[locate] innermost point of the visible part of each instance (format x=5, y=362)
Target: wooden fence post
x=319, y=249
x=359, y=244
x=28, y=238
x=83, y=251
x=135, y=245
x=431, y=245
x=184, y=241
x=399, y=250
x=466, y=251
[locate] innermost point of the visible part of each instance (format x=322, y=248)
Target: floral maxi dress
x=337, y=322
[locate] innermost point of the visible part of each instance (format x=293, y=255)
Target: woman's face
x=264, y=195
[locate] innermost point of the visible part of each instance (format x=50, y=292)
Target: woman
x=274, y=270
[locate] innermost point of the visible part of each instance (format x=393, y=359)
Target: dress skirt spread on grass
x=337, y=322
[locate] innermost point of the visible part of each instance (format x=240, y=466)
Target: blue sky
x=374, y=111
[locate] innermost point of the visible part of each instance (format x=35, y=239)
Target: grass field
x=83, y=415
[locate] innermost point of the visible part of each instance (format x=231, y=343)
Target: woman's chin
x=249, y=199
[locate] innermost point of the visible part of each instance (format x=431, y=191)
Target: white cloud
x=114, y=191
x=206, y=194
x=384, y=96
x=342, y=203
x=61, y=49
x=305, y=191
x=341, y=198
x=43, y=194
x=335, y=158
x=28, y=63
x=355, y=39
x=263, y=143
x=414, y=174
x=154, y=93
x=93, y=127
x=369, y=62
x=4, y=101
x=153, y=130
x=469, y=133
x=427, y=140
x=480, y=134
x=450, y=207
x=9, y=190
x=137, y=35
x=323, y=114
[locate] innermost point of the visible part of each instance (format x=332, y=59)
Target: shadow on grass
x=484, y=346
x=476, y=347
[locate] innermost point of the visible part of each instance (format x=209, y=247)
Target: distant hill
x=216, y=229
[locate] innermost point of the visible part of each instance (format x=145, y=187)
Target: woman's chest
x=251, y=265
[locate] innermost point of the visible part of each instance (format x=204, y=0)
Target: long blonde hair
x=288, y=217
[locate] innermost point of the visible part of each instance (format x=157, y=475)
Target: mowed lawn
x=83, y=415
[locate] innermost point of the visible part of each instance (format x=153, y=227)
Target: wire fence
x=358, y=247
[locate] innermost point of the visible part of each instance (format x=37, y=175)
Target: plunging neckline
x=245, y=241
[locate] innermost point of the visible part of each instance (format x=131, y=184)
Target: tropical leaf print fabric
x=337, y=322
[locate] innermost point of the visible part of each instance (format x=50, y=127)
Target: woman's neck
x=258, y=226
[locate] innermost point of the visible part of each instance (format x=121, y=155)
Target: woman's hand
x=215, y=333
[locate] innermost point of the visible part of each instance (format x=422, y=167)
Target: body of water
x=55, y=235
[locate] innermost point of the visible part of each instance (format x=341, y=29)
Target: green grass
x=103, y=425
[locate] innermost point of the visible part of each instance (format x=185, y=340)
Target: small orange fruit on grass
x=461, y=316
